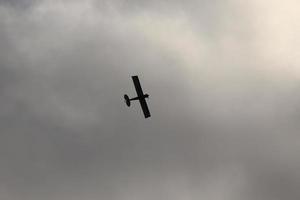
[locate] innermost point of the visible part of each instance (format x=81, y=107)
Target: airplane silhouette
x=140, y=96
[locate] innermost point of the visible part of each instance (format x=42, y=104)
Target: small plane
x=140, y=96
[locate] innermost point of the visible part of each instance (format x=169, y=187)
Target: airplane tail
x=127, y=100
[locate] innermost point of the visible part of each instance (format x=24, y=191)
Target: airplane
x=140, y=96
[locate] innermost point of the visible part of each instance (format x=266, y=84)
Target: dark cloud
x=19, y=4
x=223, y=124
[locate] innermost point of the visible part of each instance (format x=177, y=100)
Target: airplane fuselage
x=140, y=97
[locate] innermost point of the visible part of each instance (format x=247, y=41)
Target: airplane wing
x=145, y=107
x=137, y=86
x=140, y=94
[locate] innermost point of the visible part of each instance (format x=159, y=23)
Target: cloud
x=224, y=104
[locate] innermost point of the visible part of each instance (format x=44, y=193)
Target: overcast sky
x=224, y=83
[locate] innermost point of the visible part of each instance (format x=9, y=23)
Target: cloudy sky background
x=224, y=85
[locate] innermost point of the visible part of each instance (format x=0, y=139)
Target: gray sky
x=223, y=79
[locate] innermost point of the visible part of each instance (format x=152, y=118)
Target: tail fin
x=127, y=100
